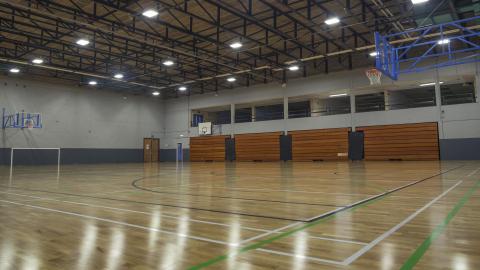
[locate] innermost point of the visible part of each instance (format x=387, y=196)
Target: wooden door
x=147, y=150
x=151, y=149
x=155, y=149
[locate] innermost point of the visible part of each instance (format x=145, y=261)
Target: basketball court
x=239, y=135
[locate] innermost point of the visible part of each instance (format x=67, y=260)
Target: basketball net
x=28, y=123
x=374, y=76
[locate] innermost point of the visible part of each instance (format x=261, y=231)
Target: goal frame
x=12, y=150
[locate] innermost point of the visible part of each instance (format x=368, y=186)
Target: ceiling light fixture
x=373, y=54
x=14, y=70
x=429, y=84
x=83, y=42
x=333, y=20
x=150, y=13
x=293, y=68
x=156, y=93
x=182, y=88
x=443, y=41
x=236, y=45
x=231, y=79
x=338, y=95
x=118, y=76
x=37, y=61
x=415, y=2
x=168, y=63
x=92, y=82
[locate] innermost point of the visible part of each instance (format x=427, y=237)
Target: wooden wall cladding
x=401, y=142
x=320, y=144
x=258, y=146
x=207, y=148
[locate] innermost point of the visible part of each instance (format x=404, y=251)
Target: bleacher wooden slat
x=258, y=146
x=207, y=148
x=401, y=142
x=320, y=144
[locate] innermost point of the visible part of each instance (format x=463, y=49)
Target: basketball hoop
x=28, y=123
x=374, y=76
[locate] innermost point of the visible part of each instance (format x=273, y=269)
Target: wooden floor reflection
x=240, y=216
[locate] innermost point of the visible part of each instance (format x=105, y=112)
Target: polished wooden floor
x=305, y=215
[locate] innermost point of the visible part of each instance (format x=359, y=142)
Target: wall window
x=216, y=115
x=330, y=106
x=221, y=117
x=269, y=112
x=243, y=115
x=370, y=102
x=457, y=93
x=299, y=109
x=411, y=98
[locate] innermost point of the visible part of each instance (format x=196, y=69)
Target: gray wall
x=91, y=125
x=455, y=121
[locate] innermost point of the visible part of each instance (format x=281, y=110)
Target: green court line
x=277, y=237
x=420, y=251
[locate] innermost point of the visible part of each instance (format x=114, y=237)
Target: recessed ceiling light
x=83, y=42
x=182, y=88
x=149, y=13
x=429, y=84
x=37, y=61
x=14, y=70
x=293, y=68
x=118, y=76
x=443, y=41
x=168, y=63
x=333, y=20
x=231, y=79
x=156, y=93
x=338, y=95
x=418, y=1
x=92, y=82
x=236, y=45
x=373, y=54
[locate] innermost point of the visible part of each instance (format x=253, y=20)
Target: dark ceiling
x=196, y=35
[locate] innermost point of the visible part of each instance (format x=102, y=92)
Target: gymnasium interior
x=239, y=134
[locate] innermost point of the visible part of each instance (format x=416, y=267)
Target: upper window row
x=299, y=107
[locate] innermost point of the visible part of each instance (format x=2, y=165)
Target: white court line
x=339, y=240
x=378, y=195
x=137, y=212
x=270, y=232
x=300, y=256
x=386, y=234
x=121, y=223
x=292, y=191
x=473, y=173
x=277, y=231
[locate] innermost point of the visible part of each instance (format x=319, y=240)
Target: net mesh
x=28, y=123
x=374, y=76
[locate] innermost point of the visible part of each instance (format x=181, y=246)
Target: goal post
x=12, y=151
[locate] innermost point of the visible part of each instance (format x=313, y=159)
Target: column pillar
x=386, y=100
x=253, y=114
x=476, y=83
x=438, y=101
x=352, y=112
x=232, y=120
x=285, y=114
